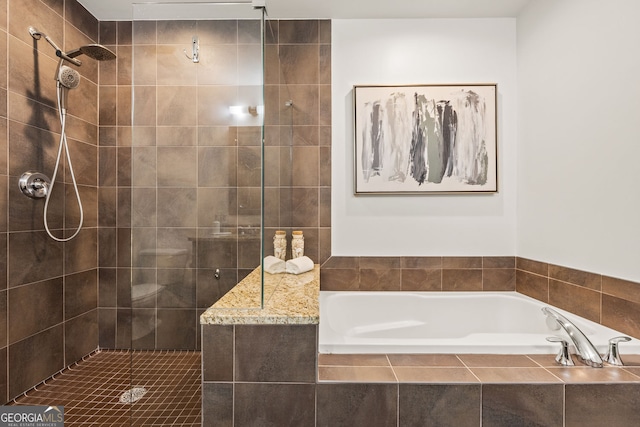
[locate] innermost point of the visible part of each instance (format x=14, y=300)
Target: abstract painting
x=425, y=139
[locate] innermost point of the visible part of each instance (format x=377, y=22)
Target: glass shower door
x=196, y=169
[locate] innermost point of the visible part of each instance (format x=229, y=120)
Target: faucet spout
x=586, y=351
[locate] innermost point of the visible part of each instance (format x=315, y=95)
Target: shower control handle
x=563, y=358
x=34, y=184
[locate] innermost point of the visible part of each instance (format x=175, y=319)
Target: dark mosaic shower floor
x=90, y=391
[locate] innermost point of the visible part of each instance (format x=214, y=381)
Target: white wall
x=412, y=52
x=578, y=135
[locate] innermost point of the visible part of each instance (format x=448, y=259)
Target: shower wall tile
x=107, y=246
x=218, y=65
x=37, y=85
x=27, y=367
x=179, y=207
x=34, y=308
x=298, y=32
x=3, y=263
x=107, y=164
x=27, y=13
x=305, y=207
x=144, y=64
x=107, y=107
x=176, y=329
x=300, y=63
x=124, y=63
x=80, y=293
x=108, y=32
x=107, y=327
x=81, y=336
x=3, y=24
x=73, y=39
x=306, y=166
x=82, y=252
x=107, y=291
x=175, y=31
x=218, y=32
x=43, y=257
x=124, y=32
x=80, y=18
x=177, y=166
x=144, y=32
x=324, y=76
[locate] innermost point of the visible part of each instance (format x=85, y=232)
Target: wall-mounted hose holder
x=34, y=184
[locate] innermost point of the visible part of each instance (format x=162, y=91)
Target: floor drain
x=132, y=395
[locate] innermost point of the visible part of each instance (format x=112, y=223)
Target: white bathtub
x=446, y=322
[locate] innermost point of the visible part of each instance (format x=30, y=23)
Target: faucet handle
x=563, y=358
x=613, y=355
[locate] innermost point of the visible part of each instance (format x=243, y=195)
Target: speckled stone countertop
x=288, y=299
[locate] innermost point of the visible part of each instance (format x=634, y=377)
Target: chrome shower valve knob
x=34, y=184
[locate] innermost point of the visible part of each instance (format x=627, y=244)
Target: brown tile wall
x=266, y=374
x=607, y=300
x=48, y=290
x=184, y=168
x=418, y=274
x=610, y=301
x=298, y=138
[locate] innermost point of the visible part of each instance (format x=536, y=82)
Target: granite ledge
x=288, y=300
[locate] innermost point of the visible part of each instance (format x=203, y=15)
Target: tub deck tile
x=359, y=374
x=425, y=360
x=515, y=375
x=577, y=374
x=497, y=360
x=353, y=360
x=413, y=374
x=467, y=368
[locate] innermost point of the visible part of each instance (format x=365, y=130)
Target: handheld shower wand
x=66, y=79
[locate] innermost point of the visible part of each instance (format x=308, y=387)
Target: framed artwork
x=425, y=139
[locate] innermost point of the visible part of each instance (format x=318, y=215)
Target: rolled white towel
x=274, y=265
x=299, y=265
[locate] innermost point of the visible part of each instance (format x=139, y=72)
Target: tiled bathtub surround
x=419, y=274
x=612, y=302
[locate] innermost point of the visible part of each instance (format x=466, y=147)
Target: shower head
x=93, y=51
x=68, y=77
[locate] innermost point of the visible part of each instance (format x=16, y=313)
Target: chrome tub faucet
x=585, y=350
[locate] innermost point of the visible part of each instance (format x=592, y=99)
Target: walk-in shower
x=37, y=185
x=177, y=150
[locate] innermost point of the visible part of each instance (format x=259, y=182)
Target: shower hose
x=62, y=114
